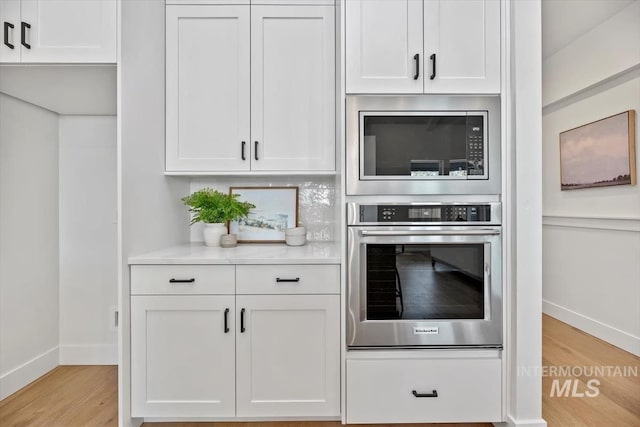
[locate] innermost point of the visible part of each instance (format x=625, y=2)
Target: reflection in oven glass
x=428, y=281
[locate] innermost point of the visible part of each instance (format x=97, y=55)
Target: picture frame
x=276, y=210
x=599, y=154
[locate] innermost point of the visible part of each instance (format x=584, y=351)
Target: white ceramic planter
x=213, y=232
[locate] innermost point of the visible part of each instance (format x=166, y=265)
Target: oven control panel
x=451, y=213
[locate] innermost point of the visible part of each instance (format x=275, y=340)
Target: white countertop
x=267, y=253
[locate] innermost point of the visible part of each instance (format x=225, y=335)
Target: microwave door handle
x=481, y=232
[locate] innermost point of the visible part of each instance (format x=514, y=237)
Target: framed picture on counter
x=276, y=210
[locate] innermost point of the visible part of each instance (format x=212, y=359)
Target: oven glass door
x=426, y=281
x=430, y=288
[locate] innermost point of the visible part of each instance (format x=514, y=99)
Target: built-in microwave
x=423, y=144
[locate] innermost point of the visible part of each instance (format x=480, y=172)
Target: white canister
x=296, y=236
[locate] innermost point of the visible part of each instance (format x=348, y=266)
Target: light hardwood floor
x=618, y=401
x=86, y=396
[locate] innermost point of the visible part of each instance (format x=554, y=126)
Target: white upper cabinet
x=462, y=46
x=384, y=46
x=448, y=46
x=208, y=80
x=250, y=94
x=59, y=31
x=10, y=19
x=292, y=88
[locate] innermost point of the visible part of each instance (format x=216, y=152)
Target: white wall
x=591, y=237
x=88, y=239
x=28, y=243
x=605, y=51
x=522, y=192
x=151, y=215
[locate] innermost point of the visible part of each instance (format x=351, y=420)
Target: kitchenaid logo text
x=425, y=331
x=583, y=383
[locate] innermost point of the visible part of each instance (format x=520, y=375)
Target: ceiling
x=563, y=21
x=63, y=89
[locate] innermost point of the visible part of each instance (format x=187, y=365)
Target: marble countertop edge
x=244, y=253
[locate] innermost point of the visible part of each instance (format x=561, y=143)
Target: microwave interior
x=423, y=145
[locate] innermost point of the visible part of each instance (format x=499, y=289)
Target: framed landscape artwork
x=599, y=154
x=276, y=210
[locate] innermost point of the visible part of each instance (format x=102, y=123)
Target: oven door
x=424, y=287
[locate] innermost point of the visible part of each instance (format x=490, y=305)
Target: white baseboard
x=26, y=373
x=522, y=423
x=617, y=337
x=95, y=354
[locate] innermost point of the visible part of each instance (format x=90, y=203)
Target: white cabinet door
x=384, y=46
x=10, y=20
x=69, y=31
x=208, y=78
x=182, y=357
x=462, y=37
x=292, y=88
x=288, y=357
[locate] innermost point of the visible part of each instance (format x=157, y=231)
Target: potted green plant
x=215, y=209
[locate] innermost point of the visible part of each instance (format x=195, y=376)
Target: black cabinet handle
x=434, y=393
x=7, y=25
x=226, y=320
x=182, y=280
x=242, y=151
x=255, y=151
x=416, y=57
x=23, y=35
x=242, y=321
x=279, y=280
x=433, y=62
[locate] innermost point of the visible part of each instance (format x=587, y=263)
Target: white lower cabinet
x=182, y=356
x=288, y=355
x=424, y=390
x=246, y=355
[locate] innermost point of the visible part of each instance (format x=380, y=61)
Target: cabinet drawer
x=382, y=391
x=288, y=279
x=182, y=279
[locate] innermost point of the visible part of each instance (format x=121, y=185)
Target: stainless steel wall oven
x=426, y=144
x=424, y=275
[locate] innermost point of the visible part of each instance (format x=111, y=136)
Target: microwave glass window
x=422, y=146
x=425, y=281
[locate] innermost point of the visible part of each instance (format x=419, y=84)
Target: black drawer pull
x=279, y=280
x=242, y=329
x=432, y=394
x=182, y=280
x=226, y=320
x=433, y=61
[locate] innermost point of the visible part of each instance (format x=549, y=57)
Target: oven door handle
x=480, y=232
